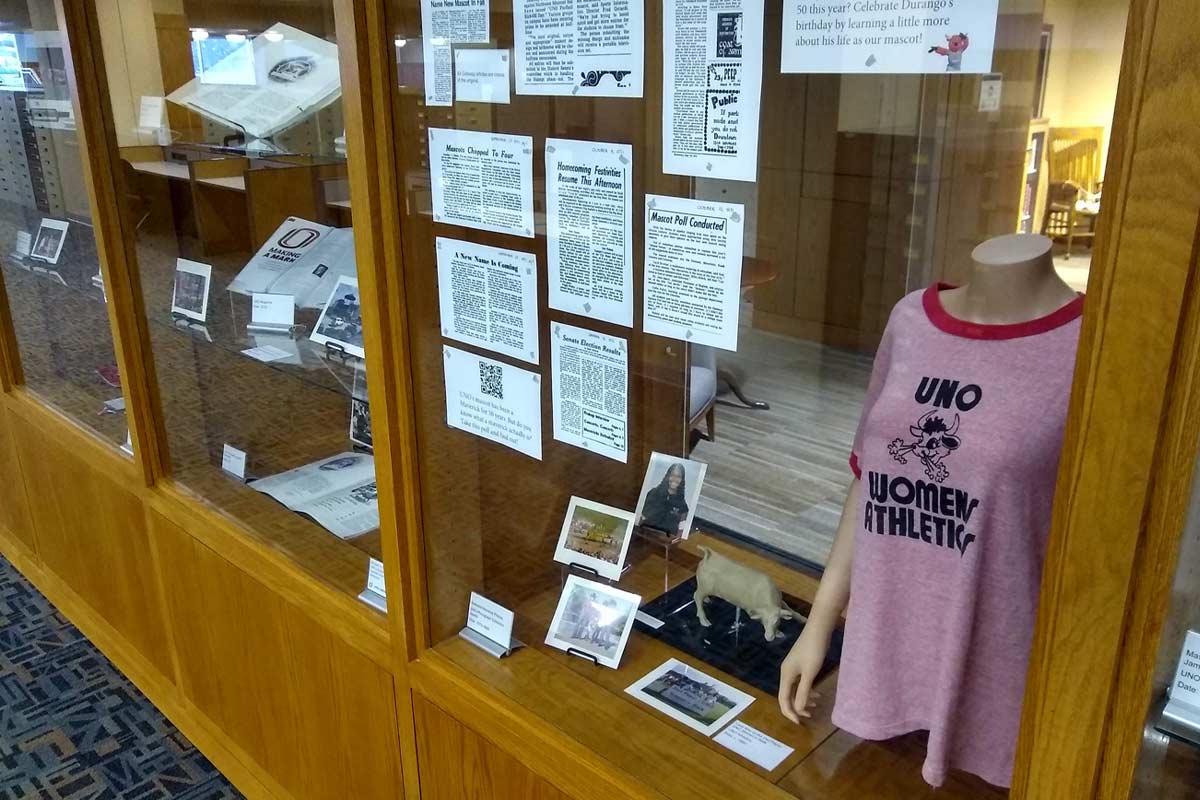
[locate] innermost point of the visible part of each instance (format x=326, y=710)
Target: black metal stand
x=572, y=651
x=335, y=352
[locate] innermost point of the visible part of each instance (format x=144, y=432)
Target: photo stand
x=734, y=643
x=49, y=273
x=664, y=540
x=184, y=323
x=590, y=573
x=571, y=651
x=334, y=352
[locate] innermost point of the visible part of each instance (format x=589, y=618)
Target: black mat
x=741, y=652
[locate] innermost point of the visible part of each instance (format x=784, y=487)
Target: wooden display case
x=241, y=620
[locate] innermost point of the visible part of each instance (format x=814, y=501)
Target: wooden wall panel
x=458, y=764
x=91, y=534
x=313, y=713
x=14, y=507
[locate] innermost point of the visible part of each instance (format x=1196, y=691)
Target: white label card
x=481, y=76
x=24, y=243
x=233, y=461
x=490, y=619
x=150, y=114
x=375, y=579
x=266, y=353
x=888, y=36
x=1186, y=687
x=754, y=745
x=273, y=309
x=990, y=88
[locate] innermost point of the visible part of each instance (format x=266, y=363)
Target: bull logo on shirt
x=933, y=441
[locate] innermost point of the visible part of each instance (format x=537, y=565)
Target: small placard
x=990, y=87
x=24, y=244
x=233, y=461
x=273, y=309
x=375, y=579
x=754, y=745
x=490, y=619
x=646, y=619
x=150, y=114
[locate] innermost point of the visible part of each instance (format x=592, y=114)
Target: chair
x=1069, y=216
x=702, y=392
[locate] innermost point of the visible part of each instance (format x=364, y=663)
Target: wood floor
x=780, y=476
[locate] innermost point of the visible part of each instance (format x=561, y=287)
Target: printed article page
x=590, y=373
x=578, y=47
x=482, y=180
x=589, y=211
x=712, y=79
x=445, y=23
x=338, y=492
x=488, y=297
x=693, y=270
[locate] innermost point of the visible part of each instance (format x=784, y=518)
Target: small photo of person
x=670, y=494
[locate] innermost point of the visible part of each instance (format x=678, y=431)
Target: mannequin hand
x=797, y=673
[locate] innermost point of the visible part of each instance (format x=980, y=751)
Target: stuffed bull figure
x=752, y=591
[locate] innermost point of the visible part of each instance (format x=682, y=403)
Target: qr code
x=491, y=380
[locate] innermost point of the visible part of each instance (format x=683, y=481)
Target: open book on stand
x=338, y=493
x=301, y=258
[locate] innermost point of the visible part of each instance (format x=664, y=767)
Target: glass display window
x=232, y=147
x=666, y=269
x=51, y=269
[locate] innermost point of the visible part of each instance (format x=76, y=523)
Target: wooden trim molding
x=11, y=374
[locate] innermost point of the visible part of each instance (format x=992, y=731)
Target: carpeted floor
x=72, y=727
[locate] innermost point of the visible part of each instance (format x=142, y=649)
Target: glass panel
x=51, y=268
x=1169, y=764
x=229, y=118
x=704, y=355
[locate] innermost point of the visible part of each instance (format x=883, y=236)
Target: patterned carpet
x=72, y=727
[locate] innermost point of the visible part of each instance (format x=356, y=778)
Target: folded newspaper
x=338, y=492
x=301, y=258
x=264, y=84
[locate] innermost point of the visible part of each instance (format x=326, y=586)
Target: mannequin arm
x=800, y=668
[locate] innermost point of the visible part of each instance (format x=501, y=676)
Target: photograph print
x=687, y=695
x=593, y=618
x=360, y=412
x=595, y=536
x=340, y=322
x=190, y=297
x=670, y=494
x=51, y=236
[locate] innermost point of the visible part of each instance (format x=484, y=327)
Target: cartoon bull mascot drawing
x=934, y=441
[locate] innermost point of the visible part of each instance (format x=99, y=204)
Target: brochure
x=338, y=493
x=301, y=258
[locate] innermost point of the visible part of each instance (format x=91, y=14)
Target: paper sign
x=482, y=180
x=888, y=36
x=445, y=23
x=151, y=113
x=754, y=745
x=989, y=92
x=494, y=400
x=590, y=376
x=266, y=353
x=488, y=297
x=272, y=309
x=375, y=579
x=581, y=48
x=481, y=76
x=233, y=461
x=490, y=619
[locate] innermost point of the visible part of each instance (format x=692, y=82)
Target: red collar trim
x=942, y=320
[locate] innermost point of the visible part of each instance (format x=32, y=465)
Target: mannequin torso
x=1012, y=280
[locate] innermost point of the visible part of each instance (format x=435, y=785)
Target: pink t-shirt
x=957, y=450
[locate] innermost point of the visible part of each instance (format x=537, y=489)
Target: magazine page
x=313, y=482
x=348, y=513
x=282, y=251
x=312, y=278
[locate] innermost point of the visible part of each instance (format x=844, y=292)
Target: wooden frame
x=1124, y=485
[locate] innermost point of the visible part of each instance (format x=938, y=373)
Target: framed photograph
x=593, y=618
x=190, y=297
x=360, y=412
x=687, y=695
x=340, y=322
x=670, y=494
x=595, y=536
x=51, y=236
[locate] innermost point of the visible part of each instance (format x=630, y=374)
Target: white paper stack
x=283, y=76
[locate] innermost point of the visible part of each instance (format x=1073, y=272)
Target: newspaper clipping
x=482, y=180
x=591, y=377
x=888, y=36
x=488, y=297
x=494, y=400
x=693, y=270
x=579, y=47
x=589, y=209
x=712, y=77
x=338, y=492
x=445, y=23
